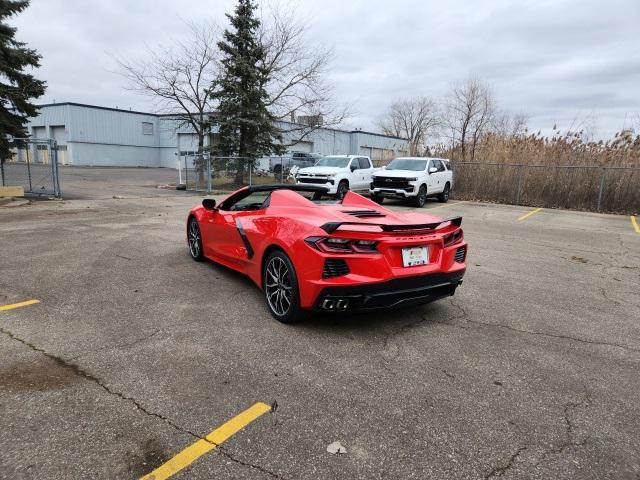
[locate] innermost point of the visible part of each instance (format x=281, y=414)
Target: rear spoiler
x=331, y=227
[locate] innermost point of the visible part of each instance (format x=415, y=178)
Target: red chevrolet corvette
x=310, y=253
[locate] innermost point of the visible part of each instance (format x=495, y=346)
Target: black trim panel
x=331, y=227
x=394, y=293
x=244, y=238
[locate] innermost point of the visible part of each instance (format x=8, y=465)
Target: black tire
x=378, y=199
x=343, y=188
x=444, y=196
x=420, y=199
x=279, y=279
x=194, y=239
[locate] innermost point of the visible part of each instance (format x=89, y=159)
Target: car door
x=365, y=172
x=432, y=178
x=221, y=228
x=354, y=174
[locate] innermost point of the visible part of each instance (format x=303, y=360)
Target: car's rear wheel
x=343, y=188
x=195, y=240
x=444, y=196
x=420, y=199
x=281, y=291
x=378, y=199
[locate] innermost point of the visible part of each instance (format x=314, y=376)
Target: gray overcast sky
x=564, y=61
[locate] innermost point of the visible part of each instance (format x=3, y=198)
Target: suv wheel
x=420, y=199
x=343, y=188
x=444, y=196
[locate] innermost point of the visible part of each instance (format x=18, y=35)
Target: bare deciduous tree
x=178, y=77
x=414, y=119
x=295, y=76
x=470, y=112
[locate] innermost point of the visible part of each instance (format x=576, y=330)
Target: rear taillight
x=342, y=245
x=453, y=238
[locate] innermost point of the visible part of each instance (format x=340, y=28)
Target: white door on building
x=60, y=135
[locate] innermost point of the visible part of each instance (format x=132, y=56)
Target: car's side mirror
x=353, y=168
x=209, y=204
x=432, y=170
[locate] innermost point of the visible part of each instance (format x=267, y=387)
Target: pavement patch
x=194, y=451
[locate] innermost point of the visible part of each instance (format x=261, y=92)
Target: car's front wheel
x=420, y=199
x=378, y=199
x=281, y=290
x=343, y=188
x=195, y=240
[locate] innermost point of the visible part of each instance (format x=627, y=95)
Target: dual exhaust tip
x=335, y=305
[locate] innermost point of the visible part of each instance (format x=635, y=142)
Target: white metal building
x=101, y=136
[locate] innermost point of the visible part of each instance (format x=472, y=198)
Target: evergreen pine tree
x=247, y=129
x=17, y=87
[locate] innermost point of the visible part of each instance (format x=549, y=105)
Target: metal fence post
x=2, y=170
x=604, y=173
x=208, y=173
x=519, y=187
x=186, y=173
x=250, y=170
x=53, y=148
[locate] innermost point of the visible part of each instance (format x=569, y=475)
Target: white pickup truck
x=339, y=173
x=414, y=179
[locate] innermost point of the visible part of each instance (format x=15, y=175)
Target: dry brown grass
x=560, y=171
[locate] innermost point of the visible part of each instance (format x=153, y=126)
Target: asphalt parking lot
x=135, y=352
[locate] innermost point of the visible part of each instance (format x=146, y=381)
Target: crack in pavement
x=501, y=469
x=570, y=440
x=464, y=316
x=118, y=346
x=79, y=371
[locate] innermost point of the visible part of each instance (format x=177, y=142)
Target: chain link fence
x=206, y=173
x=33, y=166
x=591, y=188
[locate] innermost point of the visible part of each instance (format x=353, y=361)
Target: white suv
x=339, y=173
x=413, y=178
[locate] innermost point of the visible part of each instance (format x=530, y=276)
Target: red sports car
x=310, y=253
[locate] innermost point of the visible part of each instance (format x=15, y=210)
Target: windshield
x=340, y=162
x=405, y=164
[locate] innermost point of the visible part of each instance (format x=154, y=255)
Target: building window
x=147, y=128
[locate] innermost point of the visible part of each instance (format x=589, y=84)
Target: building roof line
x=165, y=115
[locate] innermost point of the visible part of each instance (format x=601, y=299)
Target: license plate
x=415, y=256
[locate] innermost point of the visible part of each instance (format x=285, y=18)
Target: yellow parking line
x=447, y=205
x=635, y=224
x=527, y=215
x=194, y=451
x=18, y=305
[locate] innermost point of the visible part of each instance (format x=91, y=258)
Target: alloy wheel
x=194, y=239
x=278, y=286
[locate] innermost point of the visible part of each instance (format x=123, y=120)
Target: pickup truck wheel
x=444, y=196
x=378, y=199
x=343, y=188
x=420, y=199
